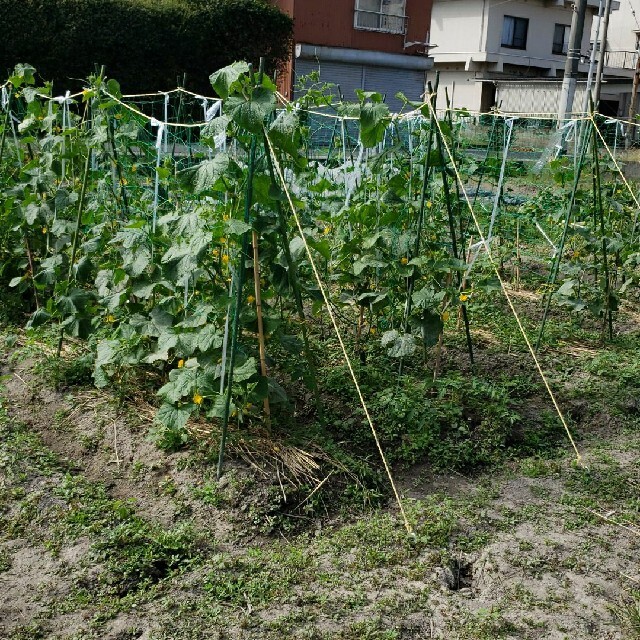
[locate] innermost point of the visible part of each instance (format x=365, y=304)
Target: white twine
x=15, y=121
x=156, y=189
x=64, y=101
x=166, y=119
x=211, y=112
x=547, y=238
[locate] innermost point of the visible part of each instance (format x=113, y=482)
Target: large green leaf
x=374, y=120
x=182, y=382
x=398, y=345
x=251, y=114
x=173, y=417
x=223, y=79
x=209, y=172
x=246, y=371
x=284, y=132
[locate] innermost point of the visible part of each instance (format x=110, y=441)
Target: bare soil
x=534, y=554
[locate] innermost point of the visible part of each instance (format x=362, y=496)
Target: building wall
x=330, y=23
x=621, y=36
x=468, y=27
x=462, y=87
x=468, y=35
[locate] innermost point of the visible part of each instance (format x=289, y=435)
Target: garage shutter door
x=390, y=81
x=347, y=76
x=350, y=77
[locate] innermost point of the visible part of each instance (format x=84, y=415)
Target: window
x=514, y=32
x=380, y=15
x=561, y=39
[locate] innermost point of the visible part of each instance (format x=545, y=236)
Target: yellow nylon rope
x=505, y=291
x=325, y=297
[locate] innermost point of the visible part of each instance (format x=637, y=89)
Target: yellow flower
x=429, y=204
x=372, y=330
x=326, y=230
x=445, y=316
x=134, y=167
x=197, y=398
x=124, y=181
x=223, y=240
x=225, y=259
x=463, y=297
x=404, y=260
x=215, y=253
x=111, y=319
x=180, y=364
x=44, y=229
x=250, y=299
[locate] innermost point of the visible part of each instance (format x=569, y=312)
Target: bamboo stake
x=261, y=344
x=31, y=268
x=518, y=258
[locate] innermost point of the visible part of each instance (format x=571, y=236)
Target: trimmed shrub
x=145, y=44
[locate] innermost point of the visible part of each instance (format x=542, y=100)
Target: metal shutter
x=347, y=76
x=350, y=77
x=389, y=81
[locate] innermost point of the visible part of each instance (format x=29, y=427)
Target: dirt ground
x=544, y=549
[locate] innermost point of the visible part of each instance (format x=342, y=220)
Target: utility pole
x=570, y=79
x=631, y=134
x=603, y=51
x=588, y=97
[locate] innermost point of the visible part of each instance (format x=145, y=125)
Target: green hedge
x=145, y=44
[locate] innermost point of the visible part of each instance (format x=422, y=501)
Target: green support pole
x=454, y=243
x=238, y=302
x=600, y=210
x=558, y=257
x=297, y=293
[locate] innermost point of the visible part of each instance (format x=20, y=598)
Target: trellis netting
x=408, y=213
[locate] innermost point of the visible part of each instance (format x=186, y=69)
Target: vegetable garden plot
x=206, y=254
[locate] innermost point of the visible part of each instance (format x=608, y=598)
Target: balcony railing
x=380, y=21
x=620, y=59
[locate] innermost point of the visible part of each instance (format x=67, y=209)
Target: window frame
x=564, y=48
x=383, y=25
x=516, y=21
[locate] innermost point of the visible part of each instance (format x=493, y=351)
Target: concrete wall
x=621, y=25
x=469, y=38
x=462, y=87
x=467, y=27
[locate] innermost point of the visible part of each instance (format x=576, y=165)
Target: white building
x=511, y=55
x=620, y=58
